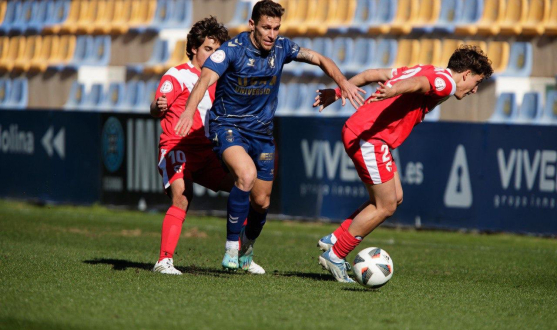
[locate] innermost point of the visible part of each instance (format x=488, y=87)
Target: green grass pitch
x=89, y=268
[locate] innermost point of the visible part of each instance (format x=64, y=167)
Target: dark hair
x=206, y=28
x=469, y=57
x=266, y=8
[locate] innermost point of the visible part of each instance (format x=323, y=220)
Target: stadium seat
x=239, y=21
x=144, y=13
x=520, y=60
x=295, y=17
x=100, y=51
x=5, y=84
x=447, y=49
x=537, y=18
x=551, y=25
x=77, y=13
x=282, y=96
x=163, y=15
x=296, y=68
x=363, y=58
x=122, y=16
x=323, y=46
x=549, y=115
x=405, y=18
x=83, y=49
x=429, y=51
x=531, y=108
x=16, y=48
x=363, y=16
x=343, y=52
x=113, y=99
x=296, y=93
x=385, y=54
x=408, y=52
x=321, y=15
x=450, y=14
x=31, y=53
x=506, y=110
x=19, y=94
x=90, y=19
x=48, y=53
x=344, y=16
x=472, y=12
x=44, y=10
x=26, y=15
x=382, y=13
x=60, y=12
x=177, y=57
x=498, y=53
x=493, y=14
x=159, y=56
x=93, y=98
x=515, y=16
x=427, y=16
x=65, y=53
x=11, y=16
x=3, y=8
x=76, y=98
x=149, y=92
x=133, y=97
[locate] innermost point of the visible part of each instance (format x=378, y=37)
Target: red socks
x=345, y=244
x=171, y=229
x=343, y=227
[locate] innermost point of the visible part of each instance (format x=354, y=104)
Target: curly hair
x=206, y=28
x=470, y=57
x=266, y=8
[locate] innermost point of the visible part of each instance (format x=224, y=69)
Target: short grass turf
x=89, y=268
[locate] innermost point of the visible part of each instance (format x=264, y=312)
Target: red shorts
x=201, y=165
x=372, y=158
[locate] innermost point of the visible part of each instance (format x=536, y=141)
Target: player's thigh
x=398, y=187
x=261, y=194
x=372, y=159
x=263, y=155
x=239, y=163
x=212, y=174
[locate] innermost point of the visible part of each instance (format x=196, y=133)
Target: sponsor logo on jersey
x=440, y=84
x=251, y=62
x=166, y=87
x=267, y=156
x=229, y=136
x=218, y=56
x=272, y=62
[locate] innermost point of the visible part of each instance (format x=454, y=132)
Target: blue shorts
x=260, y=148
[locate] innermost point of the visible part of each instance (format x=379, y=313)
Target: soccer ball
x=373, y=267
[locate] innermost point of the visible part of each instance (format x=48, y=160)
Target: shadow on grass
x=119, y=264
x=361, y=289
x=311, y=276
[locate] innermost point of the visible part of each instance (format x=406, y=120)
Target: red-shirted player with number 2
x=386, y=119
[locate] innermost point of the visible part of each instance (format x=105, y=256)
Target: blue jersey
x=247, y=90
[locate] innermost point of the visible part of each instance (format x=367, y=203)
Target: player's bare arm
x=207, y=78
x=159, y=106
x=404, y=86
x=348, y=89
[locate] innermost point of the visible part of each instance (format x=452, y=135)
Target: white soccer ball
x=373, y=267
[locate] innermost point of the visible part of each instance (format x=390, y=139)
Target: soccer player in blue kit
x=249, y=68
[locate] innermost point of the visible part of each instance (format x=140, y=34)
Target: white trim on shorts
x=162, y=166
x=368, y=154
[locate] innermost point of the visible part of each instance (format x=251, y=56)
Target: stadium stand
x=363, y=58
x=530, y=109
x=549, y=115
x=5, y=84
x=515, y=16
x=498, y=52
x=76, y=99
x=343, y=53
x=450, y=14
x=383, y=13
x=385, y=54
x=159, y=55
x=405, y=18
x=506, y=109
x=537, y=17
x=343, y=17
x=242, y=14
x=323, y=46
x=407, y=53
x=520, y=60
x=113, y=98
x=493, y=14
x=427, y=16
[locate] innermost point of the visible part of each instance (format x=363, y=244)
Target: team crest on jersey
x=229, y=136
x=272, y=62
x=166, y=87
x=440, y=84
x=251, y=62
x=218, y=56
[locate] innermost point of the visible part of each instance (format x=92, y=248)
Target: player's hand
x=382, y=93
x=324, y=98
x=184, y=124
x=162, y=103
x=352, y=93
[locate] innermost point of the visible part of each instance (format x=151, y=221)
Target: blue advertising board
x=50, y=156
x=454, y=175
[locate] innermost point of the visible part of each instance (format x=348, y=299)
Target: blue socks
x=237, y=212
x=256, y=221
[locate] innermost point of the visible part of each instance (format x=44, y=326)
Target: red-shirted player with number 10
x=386, y=119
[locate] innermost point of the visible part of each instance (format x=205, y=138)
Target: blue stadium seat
x=133, y=98
x=385, y=54
x=323, y=46
x=60, y=11
x=41, y=12
x=83, y=49
x=113, y=99
x=450, y=14
x=160, y=55
x=150, y=92
x=506, y=110
x=100, y=51
x=520, y=60
x=23, y=12
x=472, y=11
x=239, y=20
x=384, y=15
x=182, y=12
x=93, y=98
x=163, y=16
x=19, y=94
x=76, y=99
x=13, y=11
x=363, y=59
x=282, y=99
x=5, y=84
x=296, y=68
x=549, y=115
x=531, y=108
x=296, y=94
x=364, y=16
x=343, y=52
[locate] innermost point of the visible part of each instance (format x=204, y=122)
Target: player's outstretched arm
x=159, y=106
x=208, y=77
x=348, y=89
x=403, y=86
x=370, y=76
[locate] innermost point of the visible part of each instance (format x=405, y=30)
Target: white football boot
x=166, y=266
x=255, y=269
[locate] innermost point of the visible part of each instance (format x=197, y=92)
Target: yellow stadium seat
x=73, y=15
x=447, y=49
x=430, y=52
x=551, y=25
x=143, y=13
x=77, y=14
x=408, y=53
x=65, y=53
x=343, y=16
x=122, y=16
x=515, y=16
x=88, y=21
x=537, y=18
x=4, y=47
x=405, y=18
x=322, y=14
x=498, y=52
x=428, y=14
x=296, y=15
x=494, y=12
x=49, y=51
x=16, y=48
x=178, y=56
x=3, y=7
x=31, y=53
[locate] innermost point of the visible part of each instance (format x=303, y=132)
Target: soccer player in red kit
x=184, y=160
x=386, y=119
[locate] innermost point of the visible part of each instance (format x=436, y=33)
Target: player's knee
x=261, y=203
x=179, y=200
x=388, y=208
x=246, y=179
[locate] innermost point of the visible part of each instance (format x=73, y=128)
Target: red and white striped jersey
x=392, y=120
x=177, y=84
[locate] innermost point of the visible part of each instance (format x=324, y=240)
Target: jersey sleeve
x=221, y=59
x=442, y=84
x=170, y=87
x=291, y=50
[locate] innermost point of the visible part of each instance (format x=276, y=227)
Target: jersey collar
x=192, y=68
